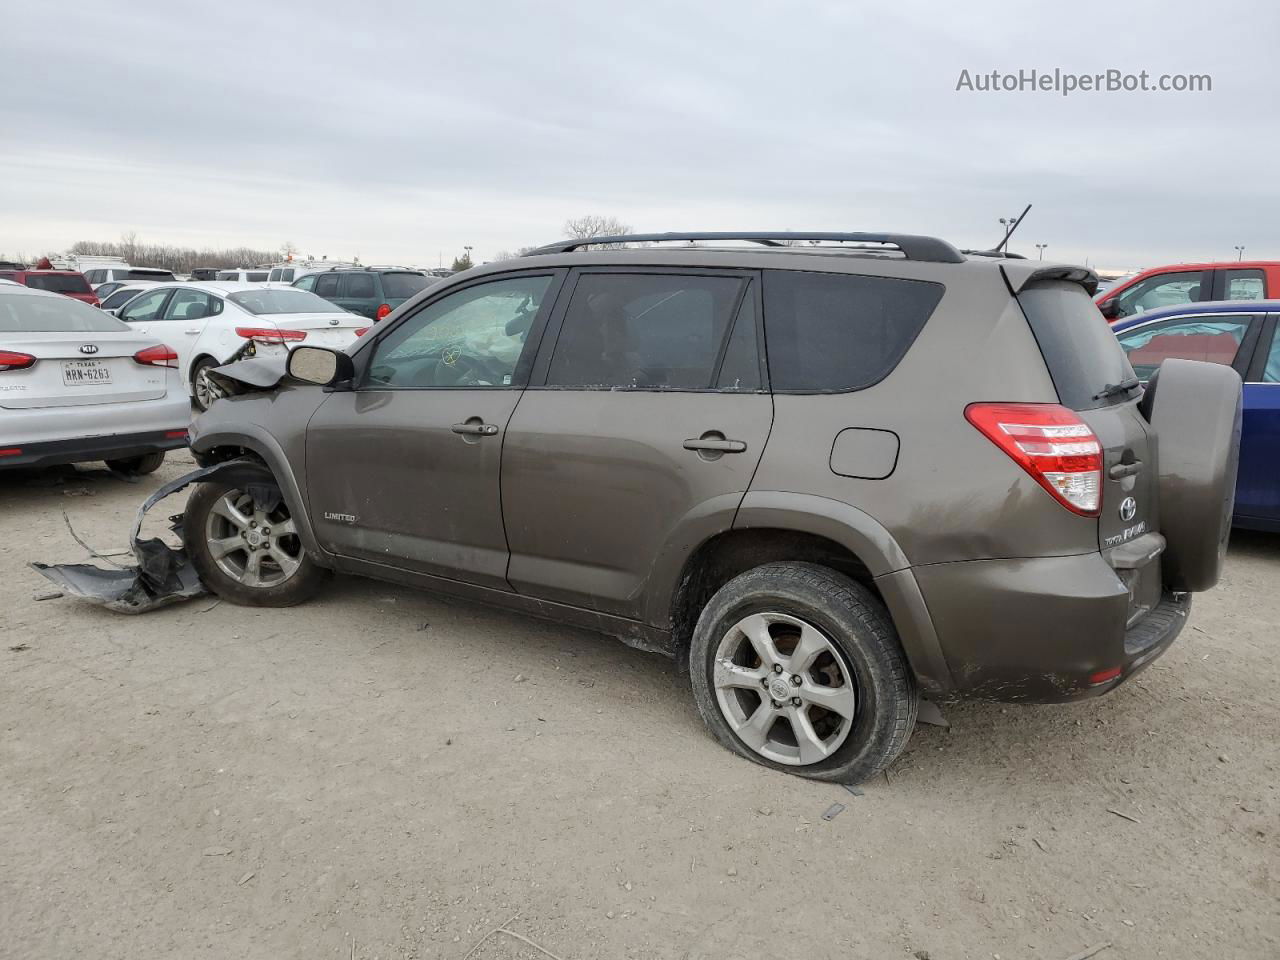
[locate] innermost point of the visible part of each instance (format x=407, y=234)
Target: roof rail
x=997, y=254
x=913, y=247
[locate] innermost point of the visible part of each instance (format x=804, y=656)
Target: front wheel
x=798, y=668
x=247, y=550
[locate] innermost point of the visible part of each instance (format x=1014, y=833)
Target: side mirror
x=319, y=365
x=1110, y=308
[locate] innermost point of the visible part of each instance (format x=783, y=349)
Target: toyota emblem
x=1128, y=509
x=89, y=348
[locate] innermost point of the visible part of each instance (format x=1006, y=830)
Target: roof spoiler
x=912, y=246
x=1020, y=273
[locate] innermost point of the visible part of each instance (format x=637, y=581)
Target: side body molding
x=871, y=543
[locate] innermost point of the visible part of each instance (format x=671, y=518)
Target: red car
x=67, y=282
x=1190, y=283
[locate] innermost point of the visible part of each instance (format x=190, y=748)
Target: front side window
x=830, y=332
x=472, y=338
x=307, y=283
x=1161, y=290
x=359, y=286
x=1244, y=285
x=644, y=331
x=1208, y=338
x=146, y=306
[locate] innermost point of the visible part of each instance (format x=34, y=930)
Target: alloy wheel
x=254, y=547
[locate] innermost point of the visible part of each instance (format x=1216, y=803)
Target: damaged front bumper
x=163, y=574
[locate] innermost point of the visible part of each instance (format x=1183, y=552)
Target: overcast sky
x=400, y=132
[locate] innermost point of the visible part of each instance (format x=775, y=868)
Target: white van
x=100, y=275
x=244, y=275
x=288, y=271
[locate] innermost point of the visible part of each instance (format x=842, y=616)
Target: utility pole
x=1040, y=247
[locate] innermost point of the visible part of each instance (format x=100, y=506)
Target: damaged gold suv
x=830, y=473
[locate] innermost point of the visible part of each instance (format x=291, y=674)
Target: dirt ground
x=381, y=774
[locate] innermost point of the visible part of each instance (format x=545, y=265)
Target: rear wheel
x=248, y=551
x=202, y=389
x=798, y=668
x=147, y=463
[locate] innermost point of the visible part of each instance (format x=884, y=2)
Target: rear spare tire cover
x=1196, y=415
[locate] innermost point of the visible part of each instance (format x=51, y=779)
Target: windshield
x=1081, y=352
x=259, y=302
x=59, y=282
x=402, y=286
x=25, y=313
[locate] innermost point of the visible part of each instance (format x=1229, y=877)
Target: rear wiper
x=1116, y=389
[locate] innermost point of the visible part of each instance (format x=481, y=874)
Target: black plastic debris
x=163, y=574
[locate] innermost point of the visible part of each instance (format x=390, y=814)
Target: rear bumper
x=1042, y=630
x=119, y=446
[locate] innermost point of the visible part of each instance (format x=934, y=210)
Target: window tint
x=1244, y=285
x=58, y=282
x=24, y=313
x=327, y=285
x=1077, y=344
x=94, y=276
x=472, y=338
x=829, y=331
x=647, y=331
x=287, y=275
x=402, y=286
x=147, y=275
x=740, y=369
x=187, y=305
x=359, y=286
x=120, y=298
x=1161, y=290
x=256, y=277
x=1271, y=373
x=1216, y=340
x=228, y=274
x=145, y=306
x=306, y=283
x=276, y=274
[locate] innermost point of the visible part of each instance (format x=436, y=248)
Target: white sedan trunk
x=76, y=369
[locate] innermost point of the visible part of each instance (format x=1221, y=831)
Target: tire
x=147, y=463
x=1196, y=413
x=798, y=607
x=203, y=393
x=208, y=531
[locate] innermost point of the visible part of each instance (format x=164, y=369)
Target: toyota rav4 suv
x=829, y=477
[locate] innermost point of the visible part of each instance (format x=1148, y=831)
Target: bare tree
x=594, y=225
x=512, y=255
x=288, y=250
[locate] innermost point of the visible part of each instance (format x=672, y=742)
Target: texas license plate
x=78, y=372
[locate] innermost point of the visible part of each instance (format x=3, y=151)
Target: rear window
x=26, y=313
x=402, y=286
x=148, y=275
x=1081, y=352
x=59, y=282
x=830, y=332
x=267, y=301
x=256, y=277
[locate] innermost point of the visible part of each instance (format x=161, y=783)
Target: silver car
x=77, y=384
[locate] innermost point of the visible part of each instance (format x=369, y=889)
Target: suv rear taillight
x=270, y=334
x=1052, y=444
x=382, y=311
x=11, y=360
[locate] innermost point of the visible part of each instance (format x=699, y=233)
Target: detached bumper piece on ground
x=163, y=574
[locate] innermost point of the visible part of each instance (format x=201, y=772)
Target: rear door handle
x=194, y=332
x=718, y=446
x=1122, y=470
x=475, y=429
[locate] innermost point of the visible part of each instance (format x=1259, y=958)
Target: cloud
x=400, y=132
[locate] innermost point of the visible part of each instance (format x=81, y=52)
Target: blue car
x=1242, y=334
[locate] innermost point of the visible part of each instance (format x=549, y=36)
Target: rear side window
x=1244, y=285
x=644, y=331
x=402, y=286
x=830, y=332
x=359, y=286
x=327, y=285
x=59, y=282
x=1079, y=348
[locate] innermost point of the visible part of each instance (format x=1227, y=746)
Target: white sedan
x=77, y=384
x=210, y=324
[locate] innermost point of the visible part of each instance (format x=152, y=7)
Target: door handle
x=471, y=429
x=1122, y=470
x=193, y=332
x=716, y=444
